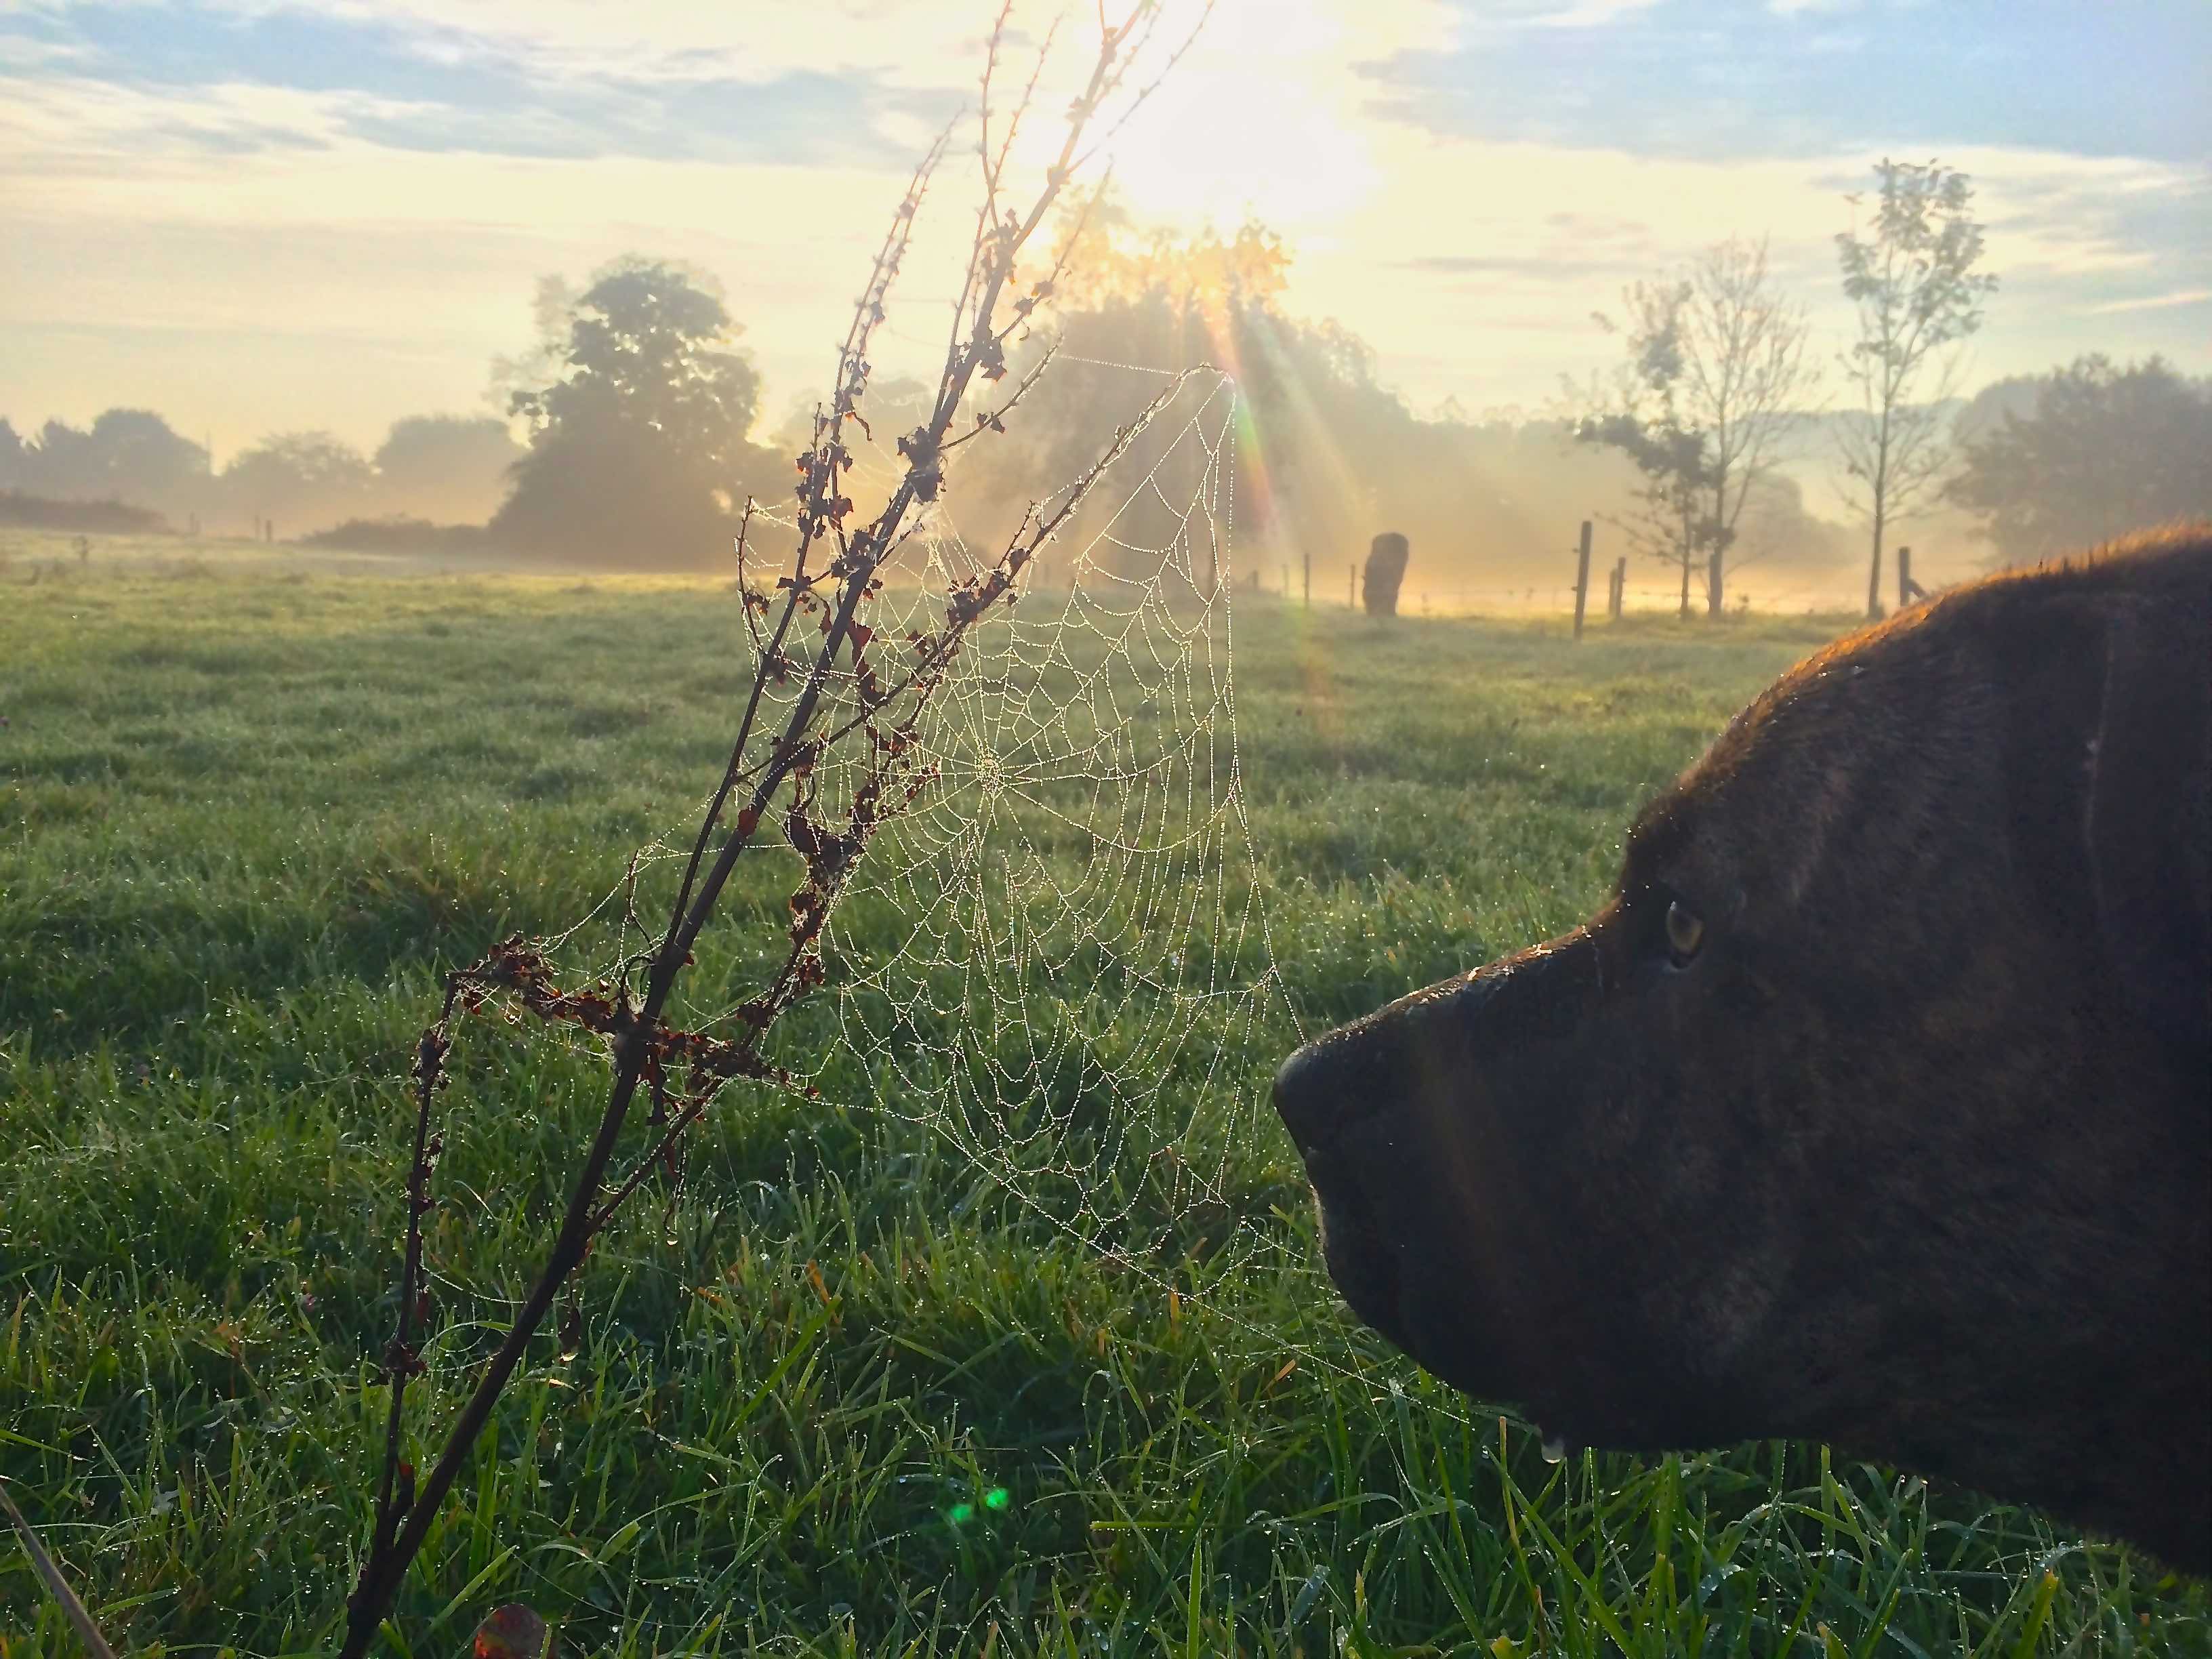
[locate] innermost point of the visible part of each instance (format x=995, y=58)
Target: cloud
x=2188, y=296
x=1713, y=79
x=425, y=84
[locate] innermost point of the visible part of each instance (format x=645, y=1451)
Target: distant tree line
x=431, y=466
x=638, y=406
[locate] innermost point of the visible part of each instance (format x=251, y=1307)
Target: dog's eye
x=1685, y=933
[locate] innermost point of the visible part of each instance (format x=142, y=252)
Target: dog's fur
x=1914, y=1155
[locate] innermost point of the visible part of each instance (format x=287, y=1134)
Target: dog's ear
x=2149, y=815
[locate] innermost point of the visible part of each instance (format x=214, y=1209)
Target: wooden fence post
x=1620, y=586
x=1907, y=589
x=1352, y=587
x=1307, y=559
x=1581, y=577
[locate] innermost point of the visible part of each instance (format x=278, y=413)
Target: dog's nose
x=1308, y=1089
x=1393, y=1057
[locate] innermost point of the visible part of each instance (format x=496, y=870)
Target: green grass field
x=849, y=1396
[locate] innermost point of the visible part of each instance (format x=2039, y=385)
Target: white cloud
x=2192, y=296
x=904, y=44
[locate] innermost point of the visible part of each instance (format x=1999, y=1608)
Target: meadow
x=847, y=1395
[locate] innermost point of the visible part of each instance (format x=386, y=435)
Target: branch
x=56, y=1586
x=645, y=1047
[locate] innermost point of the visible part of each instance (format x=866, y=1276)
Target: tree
x=452, y=468
x=1745, y=374
x=14, y=457
x=1917, y=294
x=2107, y=450
x=1672, y=522
x=125, y=455
x=1643, y=417
x=1329, y=456
x=1724, y=355
x=63, y=462
x=638, y=445
x=302, y=480
x=143, y=459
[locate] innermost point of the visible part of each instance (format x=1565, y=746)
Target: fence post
x=1620, y=586
x=1307, y=559
x=1581, y=577
x=1352, y=587
x=1907, y=589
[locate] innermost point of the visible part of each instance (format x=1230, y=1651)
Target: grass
x=251, y=806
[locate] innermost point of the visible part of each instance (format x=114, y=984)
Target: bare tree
x=1640, y=415
x=1913, y=281
x=1745, y=374
x=1716, y=368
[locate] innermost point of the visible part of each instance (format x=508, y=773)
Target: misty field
x=847, y=1396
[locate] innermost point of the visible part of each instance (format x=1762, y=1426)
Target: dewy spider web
x=1083, y=954
x=1053, y=959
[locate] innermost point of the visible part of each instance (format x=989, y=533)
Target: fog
x=631, y=429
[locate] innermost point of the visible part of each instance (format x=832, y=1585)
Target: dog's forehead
x=1661, y=838
x=1719, y=810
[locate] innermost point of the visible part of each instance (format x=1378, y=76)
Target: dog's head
x=1872, y=1108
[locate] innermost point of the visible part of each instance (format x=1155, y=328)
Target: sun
x=1268, y=113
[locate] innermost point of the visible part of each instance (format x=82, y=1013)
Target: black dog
x=1876, y=1108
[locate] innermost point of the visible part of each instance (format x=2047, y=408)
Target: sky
x=258, y=215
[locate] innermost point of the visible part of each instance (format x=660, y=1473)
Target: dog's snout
x=1350, y=1074
x=1311, y=1090
x=1412, y=1054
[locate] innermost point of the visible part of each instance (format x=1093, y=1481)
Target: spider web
x=1053, y=958
x=1084, y=960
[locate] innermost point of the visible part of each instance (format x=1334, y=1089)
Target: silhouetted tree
x=1742, y=374
x=1916, y=292
x=126, y=454
x=300, y=480
x=1645, y=417
x=2107, y=450
x=1672, y=520
x=638, y=450
x=142, y=459
x=450, y=468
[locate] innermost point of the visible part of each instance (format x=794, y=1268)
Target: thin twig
x=395, y=1492
x=79, y=1616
